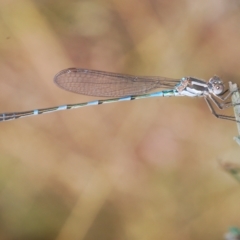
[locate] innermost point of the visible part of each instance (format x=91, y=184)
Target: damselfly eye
x=218, y=89
x=216, y=85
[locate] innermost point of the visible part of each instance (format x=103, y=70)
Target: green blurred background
x=147, y=169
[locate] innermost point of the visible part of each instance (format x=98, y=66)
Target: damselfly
x=122, y=87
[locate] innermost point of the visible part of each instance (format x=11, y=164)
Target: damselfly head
x=215, y=85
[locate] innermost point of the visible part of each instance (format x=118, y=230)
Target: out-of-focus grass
x=133, y=170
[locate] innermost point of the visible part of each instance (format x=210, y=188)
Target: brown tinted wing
x=106, y=84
